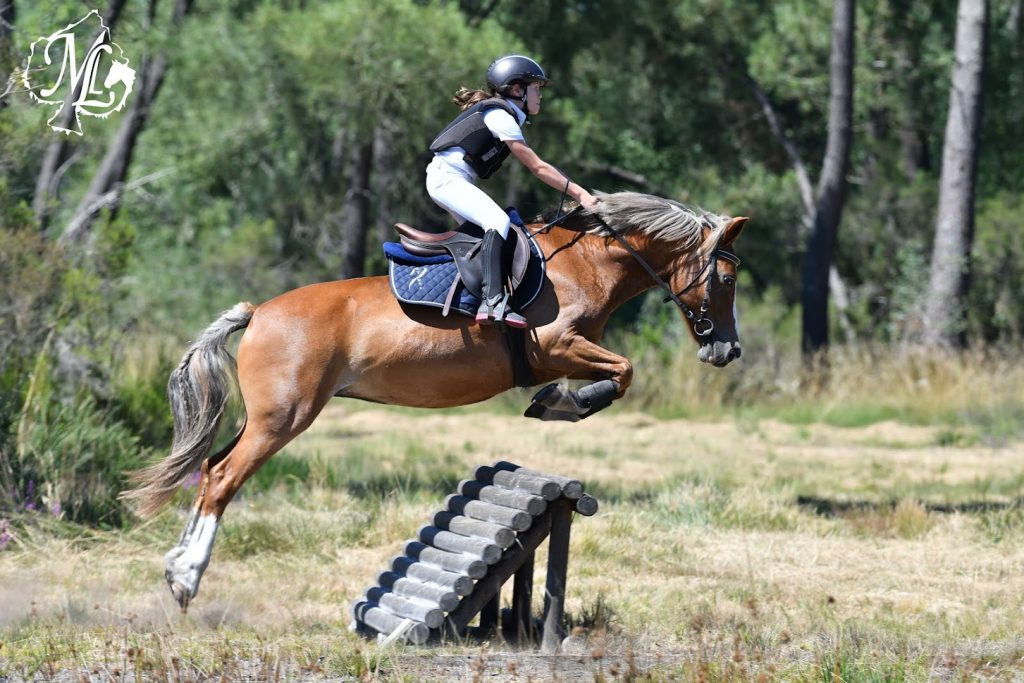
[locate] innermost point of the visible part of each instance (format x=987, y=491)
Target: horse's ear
x=733, y=230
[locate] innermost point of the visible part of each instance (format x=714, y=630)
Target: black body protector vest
x=484, y=152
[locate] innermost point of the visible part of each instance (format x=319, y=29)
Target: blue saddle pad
x=426, y=280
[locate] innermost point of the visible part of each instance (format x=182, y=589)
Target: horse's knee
x=623, y=377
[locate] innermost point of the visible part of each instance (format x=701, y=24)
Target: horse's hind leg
x=263, y=436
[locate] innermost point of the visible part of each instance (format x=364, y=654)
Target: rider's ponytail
x=466, y=98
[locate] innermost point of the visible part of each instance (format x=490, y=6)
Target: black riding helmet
x=504, y=71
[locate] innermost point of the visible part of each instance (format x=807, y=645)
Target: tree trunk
x=910, y=112
x=803, y=181
x=7, y=57
x=356, y=221
x=106, y=187
x=7, y=16
x=954, y=223
x=831, y=184
x=385, y=180
x=59, y=151
x=1014, y=20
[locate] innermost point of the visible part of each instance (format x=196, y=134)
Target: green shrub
x=67, y=455
x=67, y=432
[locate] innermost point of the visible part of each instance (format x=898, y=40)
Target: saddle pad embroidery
x=425, y=280
x=428, y=284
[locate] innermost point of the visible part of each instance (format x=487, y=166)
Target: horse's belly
x=434, y=384
x=402, y=361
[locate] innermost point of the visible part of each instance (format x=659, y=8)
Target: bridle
x=702, y=326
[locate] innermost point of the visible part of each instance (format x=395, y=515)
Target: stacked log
x=444, y=565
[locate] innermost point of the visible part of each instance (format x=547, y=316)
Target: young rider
x=473, y=146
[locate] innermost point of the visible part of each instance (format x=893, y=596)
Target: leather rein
x=702, y=326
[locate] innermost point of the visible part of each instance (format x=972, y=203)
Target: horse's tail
x=198, y=392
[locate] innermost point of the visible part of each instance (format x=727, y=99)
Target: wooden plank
x=445, y=598
x=586, y=505
x=558, y=564
x=538, y=486
x=488, y=512
x=500, y=535
x=429, y=614
x=499, y=495
x=460, y=584
x=522, y=600
x=385, y=622
x=571, y=488
x=459, y=618
x=471, y=566
x=456, y=543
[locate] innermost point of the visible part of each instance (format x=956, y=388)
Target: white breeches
x=463, y=200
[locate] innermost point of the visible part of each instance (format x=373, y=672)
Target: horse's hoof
x=544, y=396
x=558, y=397
x=545, y=414
x=182, y=595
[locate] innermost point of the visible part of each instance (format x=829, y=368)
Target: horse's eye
x=729, y=280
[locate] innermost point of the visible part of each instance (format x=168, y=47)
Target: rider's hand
x=587, y=200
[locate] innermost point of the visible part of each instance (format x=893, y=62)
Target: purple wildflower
x=30, y=494
x=192, y=481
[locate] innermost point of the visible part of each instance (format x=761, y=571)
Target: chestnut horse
x=353, y=339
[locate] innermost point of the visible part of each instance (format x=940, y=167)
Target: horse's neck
x=620, y=277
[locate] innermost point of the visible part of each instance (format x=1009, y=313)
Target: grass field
x=737, y=549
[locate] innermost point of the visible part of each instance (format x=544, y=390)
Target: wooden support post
x=522, y=598
x=489, y=613
x=459, y=618
x=558, y=563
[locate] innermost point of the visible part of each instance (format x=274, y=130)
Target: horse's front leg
x=580, y=358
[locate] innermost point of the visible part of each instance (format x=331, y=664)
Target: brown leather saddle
x=464, y=246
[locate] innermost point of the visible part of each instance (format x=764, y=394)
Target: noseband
x=698, y=319
x=702, y=326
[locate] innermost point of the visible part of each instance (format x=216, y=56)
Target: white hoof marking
x=185, y=563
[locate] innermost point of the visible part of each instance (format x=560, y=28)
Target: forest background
x=268, y=145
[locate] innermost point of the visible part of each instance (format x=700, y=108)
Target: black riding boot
x=495, y=305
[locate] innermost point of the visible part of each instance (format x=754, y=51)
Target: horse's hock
x=487, y=533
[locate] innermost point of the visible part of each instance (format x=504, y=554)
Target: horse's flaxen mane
x=656, y=217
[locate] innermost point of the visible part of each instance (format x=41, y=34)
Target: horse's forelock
x=659, y=218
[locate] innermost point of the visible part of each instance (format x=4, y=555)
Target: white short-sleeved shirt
x=502, y=126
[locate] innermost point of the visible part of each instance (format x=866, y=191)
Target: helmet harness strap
x=506, y=92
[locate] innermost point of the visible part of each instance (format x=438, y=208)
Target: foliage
x=995, y=311
x=62, y=449
x=238, y=190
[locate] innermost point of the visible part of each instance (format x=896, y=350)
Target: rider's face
x=533, y=98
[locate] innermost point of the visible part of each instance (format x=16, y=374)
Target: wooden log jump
x=455, y=567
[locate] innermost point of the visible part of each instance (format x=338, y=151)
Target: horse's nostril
x=735, y=353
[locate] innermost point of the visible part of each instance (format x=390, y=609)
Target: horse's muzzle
x=719, y=353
